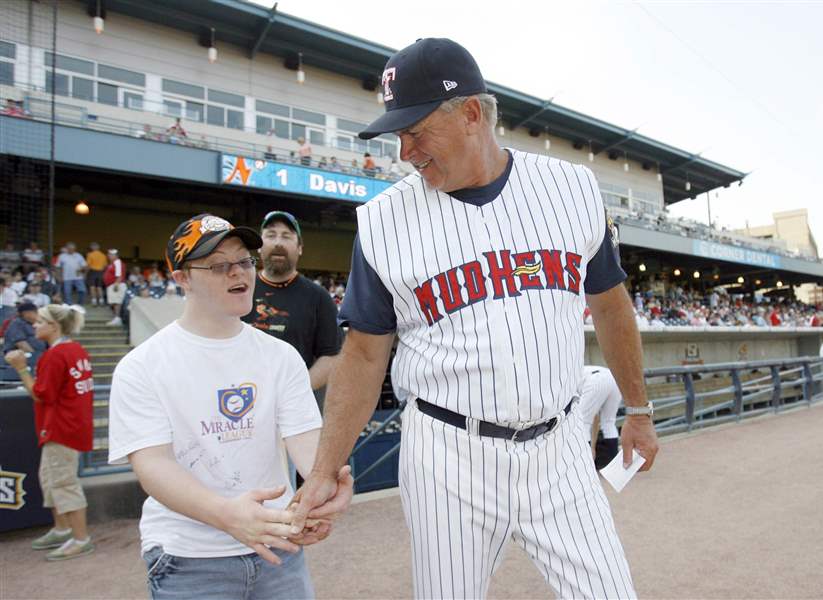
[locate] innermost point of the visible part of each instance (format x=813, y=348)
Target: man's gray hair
x=488, y=106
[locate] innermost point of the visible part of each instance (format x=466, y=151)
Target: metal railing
x=685, y=398
x=75, y=115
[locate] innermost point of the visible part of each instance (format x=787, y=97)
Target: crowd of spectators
x=719, y=308
x=662, y=221
x=27, y=283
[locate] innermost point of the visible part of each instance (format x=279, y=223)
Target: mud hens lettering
x=500, y=274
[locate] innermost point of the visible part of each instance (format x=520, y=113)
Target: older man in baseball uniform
x=481, y=264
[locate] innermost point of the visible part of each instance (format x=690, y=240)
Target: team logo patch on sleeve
x=11, y=490
x=613, y=232
x=235, y=403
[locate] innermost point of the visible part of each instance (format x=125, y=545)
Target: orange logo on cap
x=187, y=242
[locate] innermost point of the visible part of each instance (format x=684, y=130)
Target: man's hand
x=638, y=432
x=250, y=523
x=322, y=497
x=17, y=359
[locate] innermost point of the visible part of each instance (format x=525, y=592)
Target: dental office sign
x=735, y=254
x=239, y=170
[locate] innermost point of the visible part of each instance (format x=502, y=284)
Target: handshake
x=308, y=519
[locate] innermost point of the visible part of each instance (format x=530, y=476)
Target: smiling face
x=280, y=251
x=228, y=295
x=441, y=146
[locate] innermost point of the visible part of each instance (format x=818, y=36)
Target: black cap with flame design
x=199, y=236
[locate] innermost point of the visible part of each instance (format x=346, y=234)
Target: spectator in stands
x=322, y=164
x=8, y=300
x=354, y=169
x=32, y=257
x=13, y=109
x=757, y=318
x=146, y=133
x=269, y=154
x=215, y=501
x=135, y=277
x=34, y=294
x=289, y=306
x=774, y=318
x=97, y=263
x=72, y=266
x=334, y=165
x=9, y=257
x=176, y=133
x=156, y=280
x=20, y=333
x=63, y=415
x=114, y=278
x=304, y=151
x=18, y=284
x=369, y=165
x=47, y=284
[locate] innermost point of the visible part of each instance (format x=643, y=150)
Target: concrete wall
x=681, y=346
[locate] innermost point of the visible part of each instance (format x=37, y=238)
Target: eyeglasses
x=224, y=268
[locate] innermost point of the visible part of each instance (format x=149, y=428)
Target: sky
x=736, y=81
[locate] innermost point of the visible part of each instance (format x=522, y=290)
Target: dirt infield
x=729, y=512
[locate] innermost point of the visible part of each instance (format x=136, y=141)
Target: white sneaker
x=115, y=322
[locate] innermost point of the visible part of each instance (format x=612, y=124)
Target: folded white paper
x=616, y=475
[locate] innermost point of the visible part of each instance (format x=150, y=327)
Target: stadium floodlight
x=81, y=208
x=688, y=185
x=659, y=173
x=301, y=74
x=677, y=272
x=548, y=144
x=212, y=54
x=779, y=284
x=380, y=99
x=625, y=163
x=740, y=279
x=696, y=275
x=641, y=267
x=757, y=282
x=98, y=20
x=591, y=154
x=501, y=129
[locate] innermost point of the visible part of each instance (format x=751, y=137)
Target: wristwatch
x=640, y=410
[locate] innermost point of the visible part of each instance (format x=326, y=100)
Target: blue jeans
x=74, y=284
x=247, y=576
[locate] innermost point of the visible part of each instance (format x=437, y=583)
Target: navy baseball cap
x=287, y=218
x=419, y=78
x=199, y=236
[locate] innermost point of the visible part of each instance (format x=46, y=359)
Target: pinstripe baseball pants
x=464, y=496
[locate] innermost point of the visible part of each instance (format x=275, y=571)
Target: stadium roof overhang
x=258, y=29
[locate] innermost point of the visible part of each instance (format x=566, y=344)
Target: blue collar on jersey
x=484, y=194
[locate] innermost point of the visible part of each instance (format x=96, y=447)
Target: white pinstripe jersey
x=489, y=299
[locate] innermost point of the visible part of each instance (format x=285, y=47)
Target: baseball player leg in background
x=600, y=396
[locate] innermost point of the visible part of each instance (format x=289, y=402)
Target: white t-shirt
x=223, y=404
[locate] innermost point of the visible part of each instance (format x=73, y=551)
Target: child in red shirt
x=63, y=405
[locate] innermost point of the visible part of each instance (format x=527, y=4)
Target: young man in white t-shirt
x=199, y=410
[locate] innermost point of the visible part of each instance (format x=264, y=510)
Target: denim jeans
x=247, y=576
x=74, y=284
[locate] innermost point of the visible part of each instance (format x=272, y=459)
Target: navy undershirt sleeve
x=604, y=271
x=367, y=306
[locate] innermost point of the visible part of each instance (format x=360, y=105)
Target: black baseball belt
x=491, y=429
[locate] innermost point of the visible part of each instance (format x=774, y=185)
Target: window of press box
x=6, y=73
x=226, y=98
x=67, y=63
x=179, y=88
x=121, y=75
x=8, y=50
x=271, y=108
